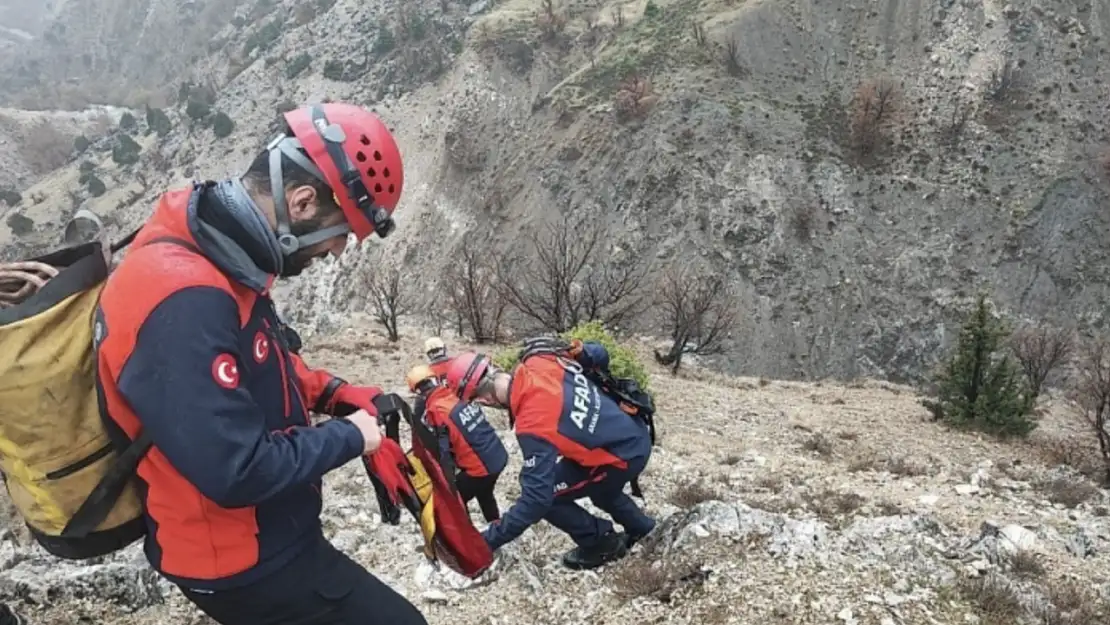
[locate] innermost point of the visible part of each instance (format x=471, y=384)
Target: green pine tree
x=980, y=387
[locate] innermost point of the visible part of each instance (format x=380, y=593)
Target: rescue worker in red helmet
x=438, y=360
x=466, y=436
x=576, y=442
x=191, y=352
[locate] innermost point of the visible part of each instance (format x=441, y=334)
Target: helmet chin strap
x=290, y=243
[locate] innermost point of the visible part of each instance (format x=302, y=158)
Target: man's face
x=306, y=218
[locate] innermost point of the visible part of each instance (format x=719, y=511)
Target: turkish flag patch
x=225, y=371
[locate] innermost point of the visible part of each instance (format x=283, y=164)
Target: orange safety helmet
x=349, y=149
x=419, y=375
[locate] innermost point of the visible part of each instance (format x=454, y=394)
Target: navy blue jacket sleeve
x=537, y=491
x=214, y=436
x=594, y=356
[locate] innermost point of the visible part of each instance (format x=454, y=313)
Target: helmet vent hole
x=364, y=139
x=370, y=172
x=361, y=157
x=377, y=155
x=378, y=188
x=385, y=173
x=391, y=188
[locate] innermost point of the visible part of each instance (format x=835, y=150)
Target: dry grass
x=1070, y=492
x=638, y=576
x=690, y=494
x=902, y=466
x=1073, y=604
x=1025, y=564
x=819, y=444
x=993, y=597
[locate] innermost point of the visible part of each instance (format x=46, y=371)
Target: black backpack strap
x=98, y=504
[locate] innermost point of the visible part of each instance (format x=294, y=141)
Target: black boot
x=611, y=547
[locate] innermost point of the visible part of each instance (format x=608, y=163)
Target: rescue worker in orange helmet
x=191, y=351
x=436, y=352
x=576, y=442
x=466, y=435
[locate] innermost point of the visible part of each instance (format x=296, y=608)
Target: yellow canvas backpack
x=69, y=482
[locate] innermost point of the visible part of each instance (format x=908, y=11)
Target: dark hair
x=258, y=178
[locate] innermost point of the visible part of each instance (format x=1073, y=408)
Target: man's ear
x=302, y=203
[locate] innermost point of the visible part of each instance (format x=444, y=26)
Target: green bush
x=126, y=152
x=95, y=185
x=622, y=361
x=197, y=109
x=81, y=143
x=980, y=387
x=158, y=121
x=20, y=224
x=127, y=122
x=222, y=125
x=11, y=197
x=299, y=64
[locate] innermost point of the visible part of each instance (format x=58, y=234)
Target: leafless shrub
x=617, y=13
x=1003, y=93
x=635, y=98
x=1073, y=604
x=1025, y=563
x=699, y=35
x=690, y=494
x=1068, y=491
x=953, y=129
x=640, y=576
x=698, y=310
x=1091, y=392
x=1040, y=350
x=566, y=279
x=731, y=58
x=468, y=285
x=819, y=444
x=834, y=506
x=45, y=148
x=802, y=220
x=875, y=108
x=390, y=299
x=550, y=21
x=994, y=598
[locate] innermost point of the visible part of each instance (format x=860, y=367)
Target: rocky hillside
x=779, y=502
x=857, y=170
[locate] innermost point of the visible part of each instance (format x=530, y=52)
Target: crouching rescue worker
x=192, y=353
x=576, y=442
x=466, y=435
x=436, y=352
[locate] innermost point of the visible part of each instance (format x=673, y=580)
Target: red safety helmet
x=349, y=149
x=466, y=373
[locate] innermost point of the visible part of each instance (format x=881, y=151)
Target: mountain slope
x=852, y=240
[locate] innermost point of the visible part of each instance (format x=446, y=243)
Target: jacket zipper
x=281, y=366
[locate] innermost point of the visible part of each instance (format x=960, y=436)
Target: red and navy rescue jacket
x=558, y=411
x=471, y=439
x=191, y=350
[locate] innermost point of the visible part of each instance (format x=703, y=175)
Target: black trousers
x=322, y=586
x=480, y=488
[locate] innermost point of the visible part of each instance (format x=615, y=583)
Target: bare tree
x=875, y=109
x=699, y=312
x=1041, y=349
x=468, y=285
x=565, y=281
x=389, y=299
x=1092, y=393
